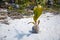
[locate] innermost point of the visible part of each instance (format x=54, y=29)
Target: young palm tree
x=37, y=13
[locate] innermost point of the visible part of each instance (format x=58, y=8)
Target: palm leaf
x=37, y=12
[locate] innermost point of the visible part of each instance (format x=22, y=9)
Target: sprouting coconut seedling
x=37, y=13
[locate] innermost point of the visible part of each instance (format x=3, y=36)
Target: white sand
x=18, y=29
